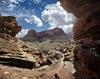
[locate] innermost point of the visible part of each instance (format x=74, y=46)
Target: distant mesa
x=52, y=34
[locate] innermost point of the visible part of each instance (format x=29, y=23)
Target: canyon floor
x=20, y=60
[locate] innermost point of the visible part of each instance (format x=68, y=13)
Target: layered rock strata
x=19, y=60
x=87, y=36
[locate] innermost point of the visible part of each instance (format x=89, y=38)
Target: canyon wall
x=87, y=36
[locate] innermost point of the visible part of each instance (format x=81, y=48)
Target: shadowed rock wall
x=87, y=36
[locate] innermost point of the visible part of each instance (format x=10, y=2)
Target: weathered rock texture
x=87, y=36
x=19, y=60
x=8, y=25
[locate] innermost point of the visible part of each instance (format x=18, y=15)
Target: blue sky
x=38, y=8
x=38, y=14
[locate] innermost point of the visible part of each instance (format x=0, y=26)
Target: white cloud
x=56, y=16
x=11, y=6
x=22, y=33
x=13, y=1
x=37, y=1
x=16, y=1
x=34, y=19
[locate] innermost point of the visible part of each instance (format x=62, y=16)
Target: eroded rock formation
x=87, y=36
x=8, y=25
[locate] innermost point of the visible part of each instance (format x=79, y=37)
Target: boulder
x=8, y=25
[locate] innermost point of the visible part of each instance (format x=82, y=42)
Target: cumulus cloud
x=34, y=19
x=56, y=16
x=22, y=33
